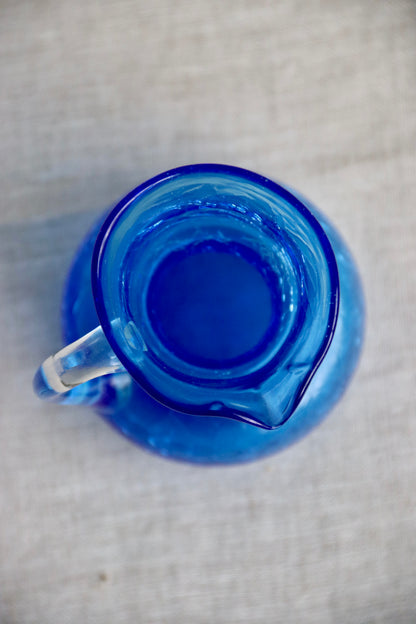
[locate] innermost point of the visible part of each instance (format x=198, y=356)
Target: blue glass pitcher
x=212, y=316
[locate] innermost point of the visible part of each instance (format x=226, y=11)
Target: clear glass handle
x=87, y=358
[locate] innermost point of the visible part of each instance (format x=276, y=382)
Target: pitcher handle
x=87, y=358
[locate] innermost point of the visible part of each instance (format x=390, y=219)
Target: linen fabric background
x=97, y=96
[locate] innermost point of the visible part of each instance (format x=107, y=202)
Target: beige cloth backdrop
x=96, y=97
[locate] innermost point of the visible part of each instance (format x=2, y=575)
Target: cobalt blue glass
x=212, y=316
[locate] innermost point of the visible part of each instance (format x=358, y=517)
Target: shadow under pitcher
x=212, y=316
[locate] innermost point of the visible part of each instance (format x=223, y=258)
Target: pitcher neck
x=218, y=291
